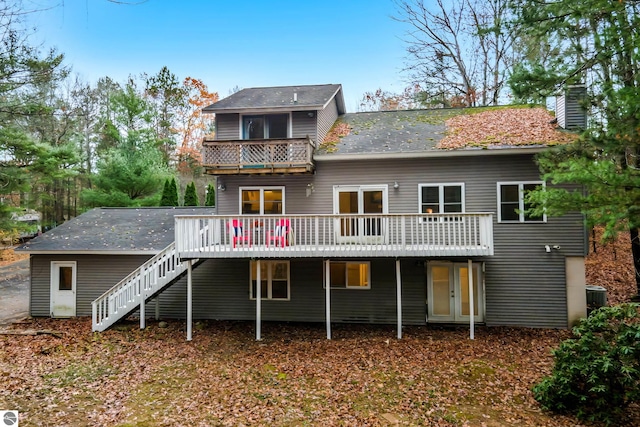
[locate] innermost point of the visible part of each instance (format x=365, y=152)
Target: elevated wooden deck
x=335, y=236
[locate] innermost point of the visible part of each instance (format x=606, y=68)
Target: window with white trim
x=262, y=200
x=349, y=275
x=274, y=278
x=512, y=206
x=441, y=198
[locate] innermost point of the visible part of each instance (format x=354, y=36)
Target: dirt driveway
x=14, y=291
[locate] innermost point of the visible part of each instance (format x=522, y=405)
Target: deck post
x=141, y=283
x=157, y=313
x=142, y=313
x=399, y=298
x=327, y=284
x=189, y=302
x=258, y=301
x=471, y=302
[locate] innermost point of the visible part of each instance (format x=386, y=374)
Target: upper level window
x=262, y=201
x=441, y=198
x=511, y=202
x=265, y=126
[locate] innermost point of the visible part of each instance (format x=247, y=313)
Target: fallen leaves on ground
x=610, y=265
x=9, y=256
x=364, y=376
x=503, y=127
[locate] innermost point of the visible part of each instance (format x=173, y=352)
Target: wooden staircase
x=146, y=282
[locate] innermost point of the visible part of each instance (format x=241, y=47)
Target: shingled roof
x=289, y=98
x=113, y=230
x=441, y=131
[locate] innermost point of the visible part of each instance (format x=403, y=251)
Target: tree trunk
x=635, y=252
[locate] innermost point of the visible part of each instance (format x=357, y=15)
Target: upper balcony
x=263, y=156
x=334, y=236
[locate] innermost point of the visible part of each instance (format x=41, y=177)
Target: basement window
x=349, y=275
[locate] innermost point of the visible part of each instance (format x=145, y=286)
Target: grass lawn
x=294, y=377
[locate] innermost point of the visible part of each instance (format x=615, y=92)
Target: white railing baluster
x=386, y=235
x=146, y=280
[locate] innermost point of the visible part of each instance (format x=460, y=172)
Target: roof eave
x=431, y=154
x=86, y=252
x=292, y=107
x=339, y=97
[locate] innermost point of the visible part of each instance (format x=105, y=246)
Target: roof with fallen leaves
x=103, y=230
x=444, y=129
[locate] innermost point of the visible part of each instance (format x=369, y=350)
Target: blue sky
x=227, y=44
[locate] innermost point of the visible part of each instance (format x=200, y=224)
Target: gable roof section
x=285, y=98
x=441, y=132
x=130, y=231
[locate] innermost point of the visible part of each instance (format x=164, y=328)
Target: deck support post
x=471, y=302
x=189, y=302
x=141, y=283
x=399, y=298
x=327, y=293
x=258, y=301
x=142, y=301
x=157, y=313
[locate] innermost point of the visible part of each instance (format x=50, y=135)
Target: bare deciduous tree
x=459, y=50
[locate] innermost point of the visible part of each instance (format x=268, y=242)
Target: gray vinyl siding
x=95, y=275
x=221, y=292
x=569, y=111
x=326, y=119
x=524, y=285
x=560, y=113
x=227, y=126
x=303, y=125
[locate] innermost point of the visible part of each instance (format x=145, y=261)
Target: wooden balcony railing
x=389, y=235
x=293, y=155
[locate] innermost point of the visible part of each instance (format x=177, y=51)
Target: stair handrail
x=102, y=312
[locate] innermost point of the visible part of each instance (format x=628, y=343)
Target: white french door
x=361, y=199
x=448, y=292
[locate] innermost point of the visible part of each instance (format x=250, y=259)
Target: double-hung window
x=274, y=280
x=262, y=200
x=512, y=206
x=349, y=275
x=441, y=198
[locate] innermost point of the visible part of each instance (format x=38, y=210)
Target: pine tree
x=211, y=196
x=594, y=42
x=190, y=195
x=164, y=201
x=173, y=193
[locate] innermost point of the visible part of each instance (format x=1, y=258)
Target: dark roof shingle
x=422, y=131
x=282, y=97
x=114, y=230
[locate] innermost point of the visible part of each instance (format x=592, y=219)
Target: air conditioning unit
x=596, y=297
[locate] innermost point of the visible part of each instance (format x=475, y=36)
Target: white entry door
x=448, y=293
x=63, y=288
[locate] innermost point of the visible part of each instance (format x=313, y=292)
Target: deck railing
x=137, y=287
x=385, y=235
x=256, y=156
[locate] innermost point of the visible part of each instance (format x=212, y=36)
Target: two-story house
x=362, y=217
